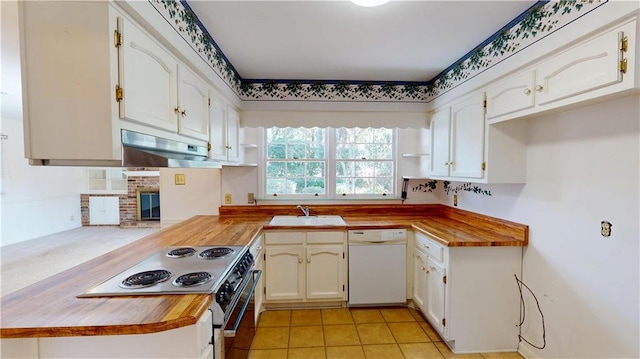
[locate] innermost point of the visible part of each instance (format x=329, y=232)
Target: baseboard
x=526, y=352
x=305, y=305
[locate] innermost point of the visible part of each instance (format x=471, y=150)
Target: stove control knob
x=222, y=298
x=240, y=270
x=224, y=294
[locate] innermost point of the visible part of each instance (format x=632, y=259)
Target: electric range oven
x=226, y=272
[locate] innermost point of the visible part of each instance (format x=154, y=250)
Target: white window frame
x=330, y=172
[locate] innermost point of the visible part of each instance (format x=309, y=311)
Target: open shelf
x=415, y=154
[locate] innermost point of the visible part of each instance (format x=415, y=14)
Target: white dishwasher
x=377, y=267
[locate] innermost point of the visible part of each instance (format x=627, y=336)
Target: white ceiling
x=338, y=40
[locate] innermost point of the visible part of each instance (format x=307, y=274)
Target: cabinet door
x=512, y=94
x=325, y=272
x=148, y=80
x=467, y=138
x=586, y=67
x=419, y=279
x=218, y=129
x=440, y=137
x=193, y=103
x=284, y=272
x=233, y=129
x=258, y=299
x=104, y=210
x=435, y=294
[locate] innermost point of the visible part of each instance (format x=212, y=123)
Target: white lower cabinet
x=420, y=279
x=434, y=304
x=325, y=272
x=305, y=266
x=104, y=210
x=284, y=272
x=468, y=294
x=257, y=250
x=191, y=342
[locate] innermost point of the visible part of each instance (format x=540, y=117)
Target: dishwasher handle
x=367, y=242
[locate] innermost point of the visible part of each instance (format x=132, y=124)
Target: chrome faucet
x=304, y=210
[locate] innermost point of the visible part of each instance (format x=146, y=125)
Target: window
x=364, y=161
x=329, y=163
x=296, y=161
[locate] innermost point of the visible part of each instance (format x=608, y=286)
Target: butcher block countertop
x=50, y=308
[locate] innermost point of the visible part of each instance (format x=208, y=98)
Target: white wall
x=238, y=182
x=199, y=195
x=582, y=168
x=36, y=201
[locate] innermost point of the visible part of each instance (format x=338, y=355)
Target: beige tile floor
x=352, y=333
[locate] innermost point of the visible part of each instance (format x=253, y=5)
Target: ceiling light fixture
x=369, y=3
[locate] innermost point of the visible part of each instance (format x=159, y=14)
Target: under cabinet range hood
x=142, y=150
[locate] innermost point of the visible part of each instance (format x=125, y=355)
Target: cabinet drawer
x=325, y=237
x=430, y=247
x=284, y=237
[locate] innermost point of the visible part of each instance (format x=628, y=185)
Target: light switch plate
x=227, y=198
x=180, y=179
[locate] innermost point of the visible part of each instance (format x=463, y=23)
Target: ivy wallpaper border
x=540, y=20
x=432, y=185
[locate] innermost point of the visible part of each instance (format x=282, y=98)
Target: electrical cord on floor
x=523, y=311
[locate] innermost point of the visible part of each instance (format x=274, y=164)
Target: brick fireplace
x=128, y=202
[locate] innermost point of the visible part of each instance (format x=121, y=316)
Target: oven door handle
x=232, y=333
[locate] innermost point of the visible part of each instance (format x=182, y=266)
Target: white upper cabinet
x=69, y=73
x=598, y=66
x=458, y=139
x=465, y=148
x=233, y=135
x=148, y=80
x=467, y=137
x=440, y=137
x=583, y=68
x=512, y=94
x=193, y=105
x=160, y=92
x=224, y=123
x=103, y=73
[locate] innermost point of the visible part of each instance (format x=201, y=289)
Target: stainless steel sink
x=307, y=221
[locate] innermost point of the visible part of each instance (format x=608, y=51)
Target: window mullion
x=330, y=162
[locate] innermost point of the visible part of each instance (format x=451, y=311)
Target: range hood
x=142, y=150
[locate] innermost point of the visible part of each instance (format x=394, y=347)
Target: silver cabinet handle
x=299, y=260
x=308, y=260
x=527, y=91
x=539, y=88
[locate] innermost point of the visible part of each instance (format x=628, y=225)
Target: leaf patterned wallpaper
x=542, y=19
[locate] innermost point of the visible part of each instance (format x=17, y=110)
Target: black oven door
x=240, y=328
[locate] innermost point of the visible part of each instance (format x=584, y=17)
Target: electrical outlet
x=71, y=218
x=180, y=179
x=605, y=228
x=250, y=198
x=455, y=200
x=227, y=198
